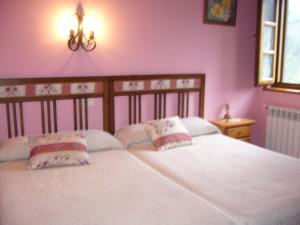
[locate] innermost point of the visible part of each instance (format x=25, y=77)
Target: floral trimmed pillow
x=56, y=150
x=168, y=133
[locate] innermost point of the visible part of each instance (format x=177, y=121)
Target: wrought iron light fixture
x=79, y=39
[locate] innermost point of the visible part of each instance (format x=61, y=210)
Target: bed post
x=110, y=105
x=202, y=96
x=106, y=105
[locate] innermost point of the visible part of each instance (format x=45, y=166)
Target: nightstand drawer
x=239, y=132
x=239, y=129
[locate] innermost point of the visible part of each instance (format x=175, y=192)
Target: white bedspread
x=116, y=189
x=251, y=185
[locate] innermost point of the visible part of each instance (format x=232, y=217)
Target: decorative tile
x=99, y=88
x=55, y=89
x=197, y=83
x=48, y=89
x=83, y=88
x=160, y=84
x=13, y=91
x=185, y=83
x=133, y=85
x=147, y=85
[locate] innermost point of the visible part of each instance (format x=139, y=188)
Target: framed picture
x=221, y=12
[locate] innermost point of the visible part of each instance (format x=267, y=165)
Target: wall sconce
x=79, y=39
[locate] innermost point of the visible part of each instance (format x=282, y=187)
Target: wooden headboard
x=159, y=86
x=14, y=93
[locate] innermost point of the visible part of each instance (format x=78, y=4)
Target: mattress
x=116, y=189
x=251, y=185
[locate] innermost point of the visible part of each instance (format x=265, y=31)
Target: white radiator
x=283, y=130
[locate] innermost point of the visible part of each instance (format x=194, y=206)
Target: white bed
x=251, y=185
x=116, y=189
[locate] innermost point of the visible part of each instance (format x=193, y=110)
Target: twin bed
x=249, y=184
x=215, y=181
x=116, y=188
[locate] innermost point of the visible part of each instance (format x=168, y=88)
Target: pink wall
x=138, y=37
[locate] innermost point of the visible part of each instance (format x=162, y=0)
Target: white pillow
x=18, y=148
x=198, y=126
x=14, y=149
x=133, y=135
x=98, y=140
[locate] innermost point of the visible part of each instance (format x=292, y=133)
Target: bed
x=116, y=188
x=249, y=184
x=240, y=184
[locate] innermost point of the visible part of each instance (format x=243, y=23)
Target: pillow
x=198, y=126
x=133, y=135
x=98, y=140
x=55, y=150
x=18, y=148
x=168, y=133
x=137, y=134
x=14, y=149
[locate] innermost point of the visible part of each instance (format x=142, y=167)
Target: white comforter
x=115, y=189
x=251, y=185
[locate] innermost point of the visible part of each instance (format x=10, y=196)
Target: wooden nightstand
x=237, y=129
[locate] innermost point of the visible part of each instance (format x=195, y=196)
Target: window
x=279, y=44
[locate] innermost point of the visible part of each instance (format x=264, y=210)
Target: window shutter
x=268, y=23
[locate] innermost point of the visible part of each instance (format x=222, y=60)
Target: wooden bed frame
x=134, y=87
x=16, y=92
